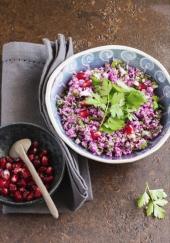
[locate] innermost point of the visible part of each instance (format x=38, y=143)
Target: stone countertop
x=112, y=215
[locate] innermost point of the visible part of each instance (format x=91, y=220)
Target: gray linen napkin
x=23, y=65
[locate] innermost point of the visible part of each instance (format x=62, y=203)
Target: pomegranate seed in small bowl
x=17, y=186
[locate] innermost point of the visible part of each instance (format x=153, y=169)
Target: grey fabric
x=25, y=72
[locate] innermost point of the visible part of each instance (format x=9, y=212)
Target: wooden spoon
x=19, y=149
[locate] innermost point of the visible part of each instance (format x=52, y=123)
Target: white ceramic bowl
x=96, y=57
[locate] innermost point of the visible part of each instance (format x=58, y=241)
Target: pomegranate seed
x=25, y=173
x=48, y=179
x=31, y=157
x=129, y=129
x=12, y=187
x=9, y=159
x=86, y=83
x=80, y=75
x=44, y=152
x=3, y=163
x=142, y=86
x=1, y=172
x=83, y=103
x=17, y=196
x=35, y=150
x=84, y=113
x=30, y=196
x=25, y=194
x=42, y=169
x=4, y=183
x=22, y=183
x=6, y=174
x=36, y=162
x=4, y=191
x=44, y=160
x=37, y=193
x=49, y=170
x=95, y=135
x=36, y=157
x=14, y=178
x=22, y=189
x=35, y=144
x=9, y=166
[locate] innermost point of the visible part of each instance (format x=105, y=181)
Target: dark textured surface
x=112, y=216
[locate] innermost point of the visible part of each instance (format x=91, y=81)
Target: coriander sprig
x=117, y=101
x=153, y=201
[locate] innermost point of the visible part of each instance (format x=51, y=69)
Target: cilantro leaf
x=105, y=88
x=117, y=102
x=161, y=202
x=95, y=80
x=116, y=110
x=115, y=63
x=97, y=101
x=118, y=98
x=155, y=102
x=159, y=212
x=118, y=88
x=143, y=200
x=114, y=123
x=135, y=99
x=153, y=201
x=150, y=209
x=157, y=194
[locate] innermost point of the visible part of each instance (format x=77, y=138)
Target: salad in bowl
x=110, y=108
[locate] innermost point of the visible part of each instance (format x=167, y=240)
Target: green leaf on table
x=157, y=194
x=159, y=212
x=143, y=200
x=150, y=208
x=153, y=202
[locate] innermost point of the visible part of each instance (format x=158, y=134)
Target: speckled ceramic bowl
x=11, y=133
x=97, y=57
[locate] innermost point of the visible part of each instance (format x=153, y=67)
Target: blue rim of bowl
x=52, y=190
x=66, y=139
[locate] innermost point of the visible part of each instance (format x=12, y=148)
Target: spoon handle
x=51, y=206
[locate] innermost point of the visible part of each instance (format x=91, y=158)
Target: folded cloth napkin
x=25, y=71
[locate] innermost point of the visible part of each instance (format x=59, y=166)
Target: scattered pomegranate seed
x=129, y=129
x=86, y=83
x=84, y=113
x=95, y=134
x=14, y=178
x=80, y=75
x=44, y=160
x=35, y=150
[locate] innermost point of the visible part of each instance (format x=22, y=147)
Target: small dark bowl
x=11, y=133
